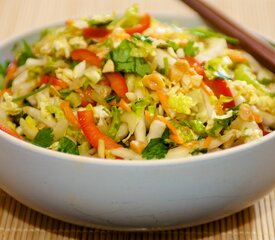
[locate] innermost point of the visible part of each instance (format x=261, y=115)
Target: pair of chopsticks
x=259, y=49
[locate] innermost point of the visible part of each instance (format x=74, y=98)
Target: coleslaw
x=132, y=87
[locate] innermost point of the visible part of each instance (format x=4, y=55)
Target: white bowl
x=135, y=195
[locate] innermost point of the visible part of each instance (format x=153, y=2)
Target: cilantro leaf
x=190, y=50
x=141, y=67
x=165, y=134
x=199, y=151
x=44, y=138
x=155, y=149
x=27, y=53
x=66, y=145
x=125, y=62
x=123, y=52
x=158, y=147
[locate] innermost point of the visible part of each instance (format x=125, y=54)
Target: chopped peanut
x=137, y=146
x=246, y=113
x=153, y=81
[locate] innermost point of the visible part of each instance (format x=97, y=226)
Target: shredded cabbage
x=132, y=87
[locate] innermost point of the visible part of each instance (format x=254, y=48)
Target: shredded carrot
x=163, y=99
x=207, y=142
x=257, y=117
x=219, y=108
x=176, y=138
x=235, y=57
x=124, y=105
x=65, y=106
x=78, y=90
x=11, y=70
x=207, y=89
x=10, y=131
x=8, y=90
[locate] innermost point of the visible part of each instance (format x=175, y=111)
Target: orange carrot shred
x=65, y=106
x=163, y=99
x=11, y=70
x=235, y=57
x=124, y=105
x=207, y=142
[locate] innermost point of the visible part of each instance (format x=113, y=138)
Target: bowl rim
x=126, y=162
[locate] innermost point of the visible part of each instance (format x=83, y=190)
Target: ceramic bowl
x=135, y=195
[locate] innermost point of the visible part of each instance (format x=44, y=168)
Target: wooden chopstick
x=259, y=49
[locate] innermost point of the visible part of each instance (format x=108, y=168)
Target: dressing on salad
x=132, y=87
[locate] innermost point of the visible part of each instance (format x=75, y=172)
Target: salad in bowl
x=132, y=87
x=89, y=103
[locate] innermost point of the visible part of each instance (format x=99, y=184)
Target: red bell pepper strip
x=10, y=131
x=118, y=83
x=96, y=32
x=83, y=54
x=59, y=83
x=54, y=81
x=196, y=65
x=220, y=87
x=261, y=126
x=104, y=82
x=145, y=22
x=92, y=132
